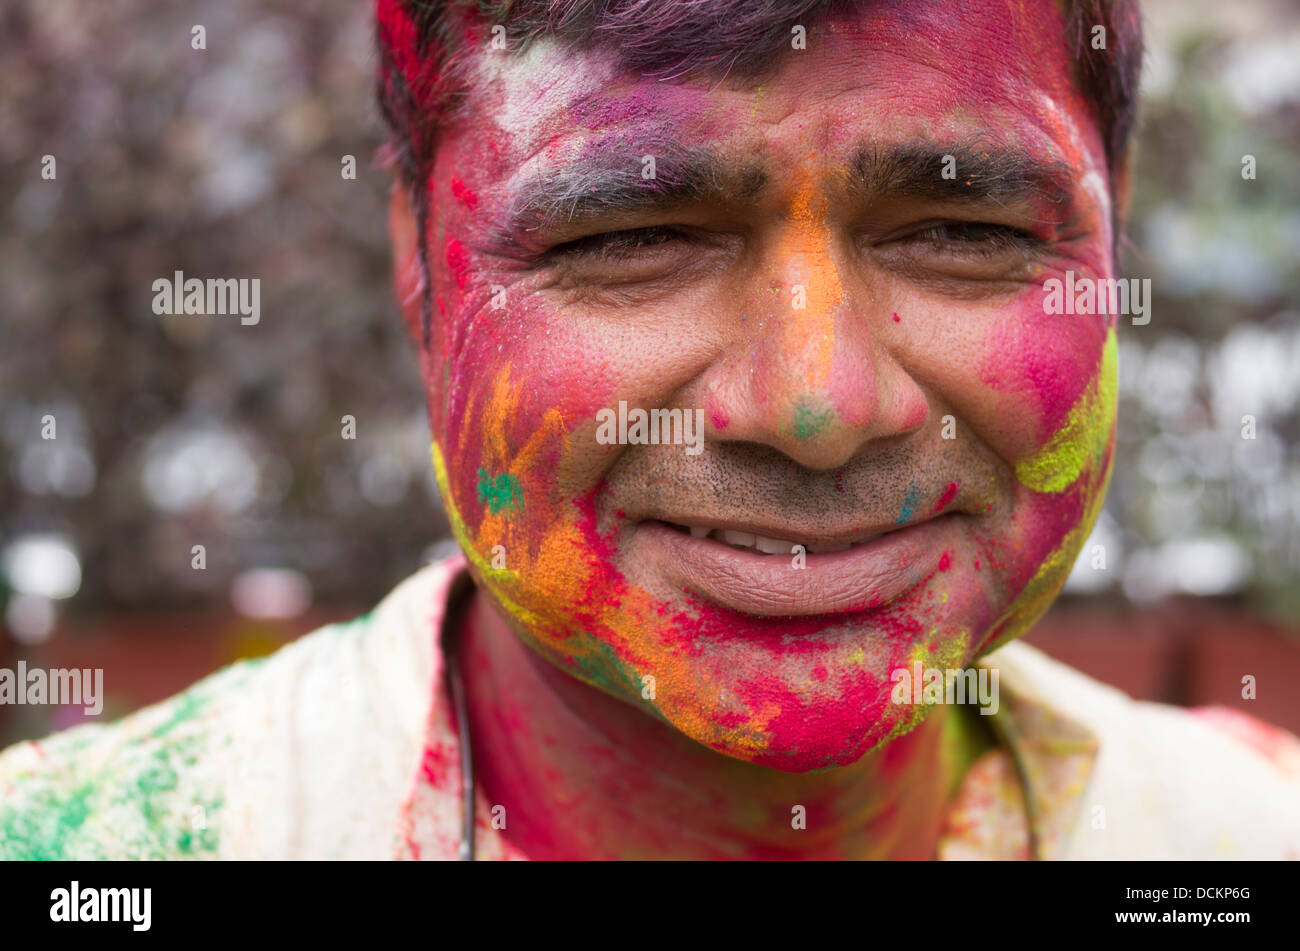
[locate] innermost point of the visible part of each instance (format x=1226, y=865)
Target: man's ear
x=408, y=276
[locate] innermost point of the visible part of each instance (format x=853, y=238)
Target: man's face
x=861, y=323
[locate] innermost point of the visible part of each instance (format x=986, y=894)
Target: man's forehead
x=921, y=58
x=527, y=94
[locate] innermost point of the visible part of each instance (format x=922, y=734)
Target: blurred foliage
x=1194, y=507
x=174, y=431
x=225, y=162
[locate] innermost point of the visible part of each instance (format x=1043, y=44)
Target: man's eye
x=618, y=244
x=975, y=237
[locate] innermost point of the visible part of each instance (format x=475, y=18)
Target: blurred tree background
x=176, y=431
x=1194, y=507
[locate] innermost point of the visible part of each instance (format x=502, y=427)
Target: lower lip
x=857, y=579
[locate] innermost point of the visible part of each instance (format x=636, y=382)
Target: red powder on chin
x=896, y=318
x=730, y=720
x=945, y=561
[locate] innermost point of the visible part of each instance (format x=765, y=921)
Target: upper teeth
x=769, y=546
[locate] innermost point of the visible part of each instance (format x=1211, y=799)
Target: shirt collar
x=1053, y=752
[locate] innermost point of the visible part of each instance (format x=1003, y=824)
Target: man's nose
x=807, y=372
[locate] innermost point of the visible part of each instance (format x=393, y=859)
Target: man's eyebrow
x=612, y=177
x=967, y=172
x=616, y=177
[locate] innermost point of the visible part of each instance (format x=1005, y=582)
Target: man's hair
x=426, y=48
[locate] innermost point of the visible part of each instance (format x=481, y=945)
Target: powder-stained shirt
x=343, y=745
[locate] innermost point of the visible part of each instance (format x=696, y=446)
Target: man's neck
x=584, y=775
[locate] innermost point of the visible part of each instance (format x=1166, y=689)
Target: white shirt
x=343, y=745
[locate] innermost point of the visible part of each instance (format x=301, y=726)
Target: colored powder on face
x=948, y=495
x=730, y=719
x=460, y=531
x=464, y=194
x=808, y=422
x=458, y=261
x=896, y=318
x=1052, y=570
x=933, y=652
x=909, y=505
x=945, y=561
x=607, y=670
x=597, y=113
x=806, y=248
x=503, y=492
x=1082, y=441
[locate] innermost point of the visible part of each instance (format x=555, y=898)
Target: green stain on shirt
x=132, y=790
x=44, y=830
x=183, y=708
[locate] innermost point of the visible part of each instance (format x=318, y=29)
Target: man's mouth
x=775, y=574
x=767, y=544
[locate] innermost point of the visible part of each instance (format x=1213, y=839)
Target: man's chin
x=794, y=728
x=820, y=746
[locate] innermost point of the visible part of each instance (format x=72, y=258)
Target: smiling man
x=755, y=432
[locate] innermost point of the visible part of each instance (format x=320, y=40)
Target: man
x=746, y=410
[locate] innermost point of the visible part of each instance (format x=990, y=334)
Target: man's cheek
x=515, y=449
x=1034, y=555
x=1055, y=379
x=508, y=368
x=1040, y=367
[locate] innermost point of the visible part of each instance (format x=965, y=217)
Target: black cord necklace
x=466, y=752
